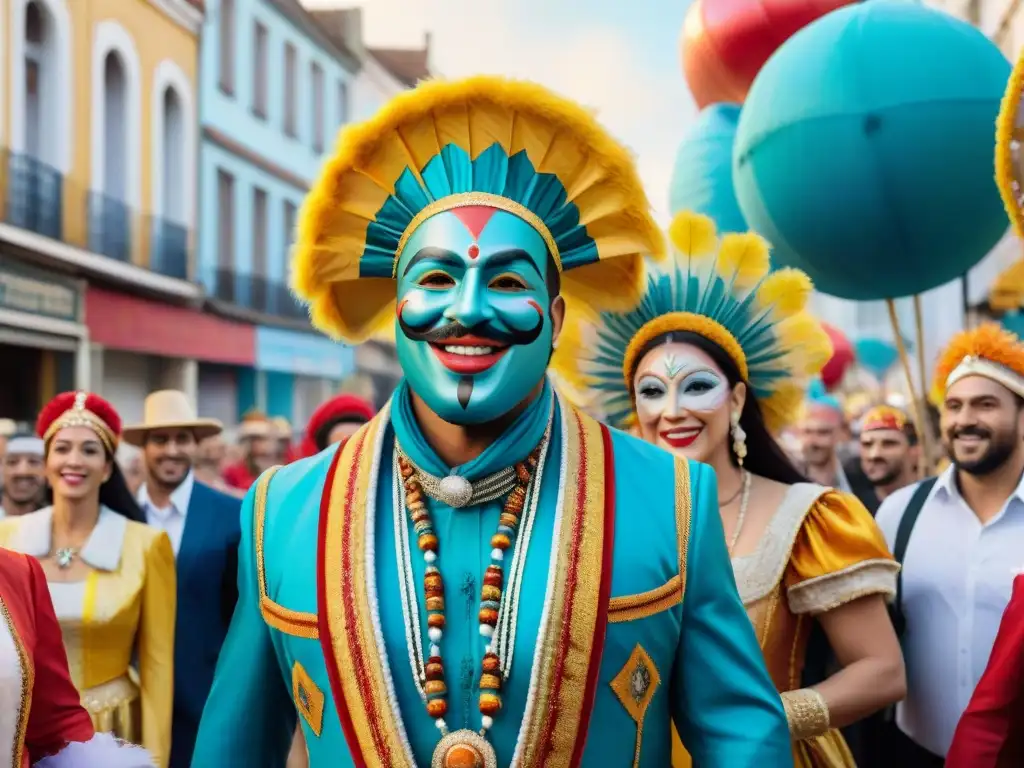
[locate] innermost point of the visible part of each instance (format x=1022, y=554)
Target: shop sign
x=23, y=289
x=304, y=354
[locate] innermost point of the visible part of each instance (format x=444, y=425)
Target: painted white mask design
x=677, y=384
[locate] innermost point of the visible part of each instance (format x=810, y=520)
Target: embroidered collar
x=102, y=551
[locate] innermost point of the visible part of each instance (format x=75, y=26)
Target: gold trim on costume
x=80, y=416
x=635, y=686
x=681, y=322
x=27, y=683
x=465, y=199
x=684, y=510
x=294, y=623
x=357, y=656
x=644, y=604
x=568, y=639
x=309, y=699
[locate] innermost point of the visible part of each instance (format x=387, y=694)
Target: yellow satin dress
x=118, y=624
x=821, y=550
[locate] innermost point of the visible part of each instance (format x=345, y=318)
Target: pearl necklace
x=498, y=605
x=742, y=516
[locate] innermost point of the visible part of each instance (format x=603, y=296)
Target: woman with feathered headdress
x=710, y=366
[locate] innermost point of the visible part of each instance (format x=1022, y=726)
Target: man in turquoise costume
x=483, y=576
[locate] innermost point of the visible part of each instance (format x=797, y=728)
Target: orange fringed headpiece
x=80, y=409
x=988, y=350
x=884, y=417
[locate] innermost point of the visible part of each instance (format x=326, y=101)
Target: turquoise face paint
x=473, y=330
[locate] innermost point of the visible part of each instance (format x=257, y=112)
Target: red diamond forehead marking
x=474, y=251
x=474, y=218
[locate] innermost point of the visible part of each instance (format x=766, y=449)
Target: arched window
x=41, y=125
x=174, y=160
x=116, y=135
x=34, y=176
x=115, y=140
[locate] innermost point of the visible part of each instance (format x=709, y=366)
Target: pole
x=918, y=415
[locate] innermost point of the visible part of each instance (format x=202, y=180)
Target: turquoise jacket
x=628, y=618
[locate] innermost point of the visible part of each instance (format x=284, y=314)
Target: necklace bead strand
x=435, y=689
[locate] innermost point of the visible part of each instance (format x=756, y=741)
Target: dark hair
x=114, y=493
x=323, y=434
x=765, y=456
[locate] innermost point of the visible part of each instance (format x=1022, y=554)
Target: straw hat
x=282, y=427
x=169, y=409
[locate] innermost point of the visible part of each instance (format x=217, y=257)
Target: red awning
x=134, y=324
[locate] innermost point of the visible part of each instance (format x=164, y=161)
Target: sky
x=619, y=57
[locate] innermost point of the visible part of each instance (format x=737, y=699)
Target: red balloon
x=726, y=42
x=842, y=358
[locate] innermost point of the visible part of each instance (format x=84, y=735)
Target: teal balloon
x=878, y=356
x=702, y=178
x=865, y=150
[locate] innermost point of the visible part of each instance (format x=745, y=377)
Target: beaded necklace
x=465, y=748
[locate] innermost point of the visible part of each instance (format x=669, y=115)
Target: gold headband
x=979, y=366
x=681, y=322
x=466, y=199
x=80, y=416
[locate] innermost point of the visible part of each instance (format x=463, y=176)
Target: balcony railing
x=168, y=252
x=35, y=197
x=110, y=227
x=256, y=293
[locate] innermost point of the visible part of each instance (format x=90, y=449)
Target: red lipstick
x=681, y=437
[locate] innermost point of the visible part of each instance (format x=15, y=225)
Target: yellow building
x=99, y=98
x=98, y=156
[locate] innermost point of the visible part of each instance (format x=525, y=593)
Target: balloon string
x=918, y=412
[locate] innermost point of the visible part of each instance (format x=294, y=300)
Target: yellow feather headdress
x=722, y=289
x=1009, y=127
x=502, y=143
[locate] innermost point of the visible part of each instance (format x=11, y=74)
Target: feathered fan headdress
x=489, y=141
x=723, y=290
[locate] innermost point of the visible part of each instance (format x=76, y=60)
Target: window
x=259, y=71
x=317, y=76
x=290, y=215
x=259, y=232
x=36, y=34
x=227, y=46
x=342, y=103
x=115, y=112
x=290, y=88
x=173, y=191
x=225, y=223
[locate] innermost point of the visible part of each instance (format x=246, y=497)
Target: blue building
x=274, y=89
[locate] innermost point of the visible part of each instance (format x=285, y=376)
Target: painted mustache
x=456, y=330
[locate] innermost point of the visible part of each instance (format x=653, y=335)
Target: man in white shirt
x=966, y=544
x=204, y=527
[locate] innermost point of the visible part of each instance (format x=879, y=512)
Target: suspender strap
x=906, y=527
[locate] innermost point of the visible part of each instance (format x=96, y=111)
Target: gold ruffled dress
x=118, y=623
x=821, y=550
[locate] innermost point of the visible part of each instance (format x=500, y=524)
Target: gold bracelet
x=806, y=712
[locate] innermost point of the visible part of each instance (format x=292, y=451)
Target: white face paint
x=677, y=383
x=683, y=401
